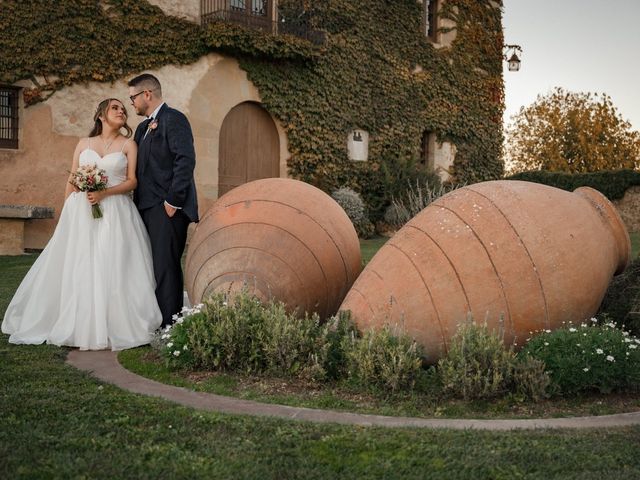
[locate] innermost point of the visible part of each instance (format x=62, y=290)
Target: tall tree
x=564, y=131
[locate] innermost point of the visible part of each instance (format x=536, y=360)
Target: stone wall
x=189, y=10
x=36, y=173
x=629, y=208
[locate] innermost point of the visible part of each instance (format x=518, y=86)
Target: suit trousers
x=168, y=236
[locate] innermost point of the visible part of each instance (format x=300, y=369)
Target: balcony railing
x=256, y=14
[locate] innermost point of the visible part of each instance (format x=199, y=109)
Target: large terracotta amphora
x=281, y=239
x=520, y=255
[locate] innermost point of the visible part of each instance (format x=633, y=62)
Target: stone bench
x=12, y=220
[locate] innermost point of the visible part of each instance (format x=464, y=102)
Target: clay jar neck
x=612, y=218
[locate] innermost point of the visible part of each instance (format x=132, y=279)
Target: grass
x=370, y=246
x=57, y=422
x=635, y=244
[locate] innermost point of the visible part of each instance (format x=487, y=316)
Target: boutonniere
x=153, y=125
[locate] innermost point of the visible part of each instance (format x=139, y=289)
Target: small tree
x=571, y=132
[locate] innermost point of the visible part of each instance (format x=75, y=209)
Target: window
x=250, y=7
x=427, y=155
x=9, y=117
x=431, y=8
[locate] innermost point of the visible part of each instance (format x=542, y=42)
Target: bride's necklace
x=108, y=144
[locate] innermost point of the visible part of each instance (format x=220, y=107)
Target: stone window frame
x=431, y=19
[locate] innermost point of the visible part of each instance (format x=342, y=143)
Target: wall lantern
x=513, y=61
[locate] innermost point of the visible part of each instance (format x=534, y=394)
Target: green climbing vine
x=376, y=71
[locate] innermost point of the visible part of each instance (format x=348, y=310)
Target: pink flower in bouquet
x=90, y=178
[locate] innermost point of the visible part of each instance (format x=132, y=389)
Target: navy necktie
x=145, y=126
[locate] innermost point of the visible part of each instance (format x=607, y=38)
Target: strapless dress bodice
x=114, y=164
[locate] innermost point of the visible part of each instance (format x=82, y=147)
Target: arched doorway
x=249, y=147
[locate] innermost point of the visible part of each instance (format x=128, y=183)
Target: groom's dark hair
x=147, y=82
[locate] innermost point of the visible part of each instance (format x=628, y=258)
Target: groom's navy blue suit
x=166, y=160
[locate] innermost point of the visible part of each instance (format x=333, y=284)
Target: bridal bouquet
x=90, y=178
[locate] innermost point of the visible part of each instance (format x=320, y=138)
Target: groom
x=166, y=191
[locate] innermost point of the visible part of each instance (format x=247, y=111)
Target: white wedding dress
x=93, y=286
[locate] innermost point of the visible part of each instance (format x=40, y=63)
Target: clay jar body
x=281, y=239
x=521, y=255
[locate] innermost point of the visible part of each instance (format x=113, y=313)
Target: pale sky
x=580, y=45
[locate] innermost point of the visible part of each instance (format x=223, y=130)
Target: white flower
x=548, y=331
x=627, y=340
x=165, y=336
x=176, y=353
x=626, y=334
x=594, y=319
x=633, y=347
x=170, y=344
x=585, y=369
x=185, y=348
x=578, y=345
x=572, y=329
x=546, y=344
x=179, y=321
x=610, y=358
x=174, y=316
x=583, y=325
x=599, y=351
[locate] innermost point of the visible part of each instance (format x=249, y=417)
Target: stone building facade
x=216, y=95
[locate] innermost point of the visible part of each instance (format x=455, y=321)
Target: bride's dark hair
x=101, y=111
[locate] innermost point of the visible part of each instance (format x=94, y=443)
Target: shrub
x=413, y=200
x=384, y=361
x=378, y=186
x=588, y=357
x=612, y=183
x=621, y=303
x=355, y=209
x=241, y=335
x=477, y=364
x=530, y=378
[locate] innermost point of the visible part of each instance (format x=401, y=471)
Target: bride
x=93, y=286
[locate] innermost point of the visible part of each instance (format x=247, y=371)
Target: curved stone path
x=104, y=366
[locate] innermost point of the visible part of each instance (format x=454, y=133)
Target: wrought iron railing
x=256, y=14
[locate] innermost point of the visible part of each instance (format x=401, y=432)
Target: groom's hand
x=169, y=209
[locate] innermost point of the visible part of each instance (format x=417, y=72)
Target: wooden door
x=249, y=147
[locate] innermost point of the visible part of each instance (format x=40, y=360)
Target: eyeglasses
x=133, y=97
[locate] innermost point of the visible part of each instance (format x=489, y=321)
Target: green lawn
x=56, y=422
x=370, y=246
x=635, y=244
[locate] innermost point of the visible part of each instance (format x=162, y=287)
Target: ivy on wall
x=377, y=72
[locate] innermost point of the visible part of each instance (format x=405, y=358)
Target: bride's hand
x=95, y=197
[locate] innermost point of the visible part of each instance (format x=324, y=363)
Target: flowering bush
x=588, y=357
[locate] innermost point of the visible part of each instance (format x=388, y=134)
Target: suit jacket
x=166, y=160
